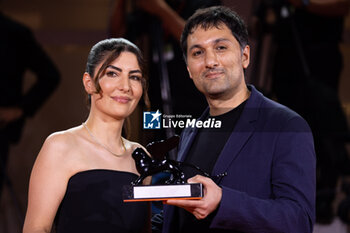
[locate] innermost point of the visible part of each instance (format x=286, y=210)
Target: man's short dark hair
x=214, y=17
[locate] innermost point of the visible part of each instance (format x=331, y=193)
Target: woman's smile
x=122, y=99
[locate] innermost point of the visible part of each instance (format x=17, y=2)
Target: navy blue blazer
x=271, y=168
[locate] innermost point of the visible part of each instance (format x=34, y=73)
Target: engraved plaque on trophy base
x=162, y=192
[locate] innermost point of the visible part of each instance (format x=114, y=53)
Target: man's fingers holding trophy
x=209, y=203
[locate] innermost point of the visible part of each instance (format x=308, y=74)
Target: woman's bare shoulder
x=57, y=157
x=62, y=142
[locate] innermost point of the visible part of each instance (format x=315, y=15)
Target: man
x=19, y=53
x=265, y=149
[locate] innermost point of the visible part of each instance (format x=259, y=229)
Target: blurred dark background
x=67, y=29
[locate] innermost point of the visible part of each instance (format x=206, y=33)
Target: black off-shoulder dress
x=93, y=204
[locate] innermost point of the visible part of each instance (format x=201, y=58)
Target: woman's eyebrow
x=115, y=68
x=121, y=70
x=135, y=71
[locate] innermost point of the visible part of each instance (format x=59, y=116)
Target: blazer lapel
x=233, y=146
x=242, y=132
x=188, y=137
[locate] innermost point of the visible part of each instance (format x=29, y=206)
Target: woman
x=79, y=173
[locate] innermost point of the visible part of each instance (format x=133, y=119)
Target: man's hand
x=201, y=208
x=8, y=115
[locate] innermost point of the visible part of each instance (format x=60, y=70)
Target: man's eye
x=221, y=48
x=197, y=53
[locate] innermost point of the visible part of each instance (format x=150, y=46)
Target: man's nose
x=211, y=60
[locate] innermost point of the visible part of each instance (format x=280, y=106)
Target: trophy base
x=162, y=192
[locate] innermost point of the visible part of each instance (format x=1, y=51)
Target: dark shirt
x=204, y=152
